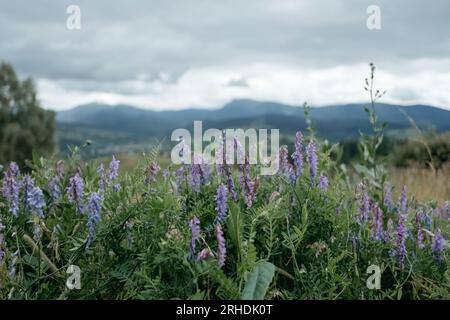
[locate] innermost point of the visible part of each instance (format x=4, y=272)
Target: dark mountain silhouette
x=126, y=125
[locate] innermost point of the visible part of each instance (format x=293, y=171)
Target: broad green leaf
x=258, y=281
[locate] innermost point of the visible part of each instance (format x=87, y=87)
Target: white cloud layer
x=415, y=82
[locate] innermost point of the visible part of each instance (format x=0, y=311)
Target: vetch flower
x=27, y=184
x=75, y=192
x=387, y=197
x=94, y=210
x=151, y=171
x=221, y=248
x=285, y=167
x=420, y=235
x=53, y=187
x=323, y=183
x=102, y=178
x=36, y=202
x=248, y=185
x=311, y=155
x=230, y=186
x=377, y=222
x=221, y=203
x=364, y=203
x=402, y=234
x=2, y=243
x=11, y=188
x=113, y=172
x=194, y=225
x=403, y=202
x=297, y=155
x=437, y=246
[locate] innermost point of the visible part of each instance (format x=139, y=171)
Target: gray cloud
x=123, y=42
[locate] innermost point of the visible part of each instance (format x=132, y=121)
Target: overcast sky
x=203, y=53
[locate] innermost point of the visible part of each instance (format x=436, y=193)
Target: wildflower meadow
x=74, y=229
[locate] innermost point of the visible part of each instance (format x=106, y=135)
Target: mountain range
x=122, y=128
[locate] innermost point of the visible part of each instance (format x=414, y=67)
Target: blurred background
x=123, y=75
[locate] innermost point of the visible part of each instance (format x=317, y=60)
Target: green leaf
x=258, y=281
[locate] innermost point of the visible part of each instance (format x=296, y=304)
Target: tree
x=25, y=127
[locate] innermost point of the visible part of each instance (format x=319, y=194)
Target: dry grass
x=423, y=183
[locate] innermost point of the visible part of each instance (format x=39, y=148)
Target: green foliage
x=258, y=281
x=25, y=128
x=297, y=241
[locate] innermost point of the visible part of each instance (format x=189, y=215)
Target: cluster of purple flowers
x=323, y=183
x=248, y=185
x=297, y=155
x=36, y=202
x=437, y=245
x=364, y=203
x=221, y=203
x=151, y=171
x=221, y=248
x=94, y=210
x=11, y=188
x=194, y=225
x=75, y=191
x=387, y=197
x=311, y=156
x=402, y=232
x=2, y=243
x=285, y=167
x=378, y=233
x=199, y=174
x=419, y=219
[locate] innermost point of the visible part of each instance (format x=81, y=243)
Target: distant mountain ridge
x=134, y=125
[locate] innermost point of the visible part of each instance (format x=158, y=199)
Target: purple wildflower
x=420, y=235
x=36, y=202
x=364, y=203
x=151, y=171
x=11, y=188
x=27, y=184
x=53, y=187
x=285, y=167
x=311, y=155
x=220, y=157
x=437, y=246
x=2, y=242
x=14, y=169
x=199, y=174
x=248, y=185
x=194, y=225
x=221, y=203
x=387, y=200
x=297, y=155
x=75, y=191
x=12, y=265
x=205, y=254
x=323, y=183
x=377, y=222
x=402, y=234
x=230, y=186
x=113, y=172
x=102, y=178
x=403, y=202
x=221, y=251
x=166, y=174
x=240, y=152
x=179, y=176
x=94, y=207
